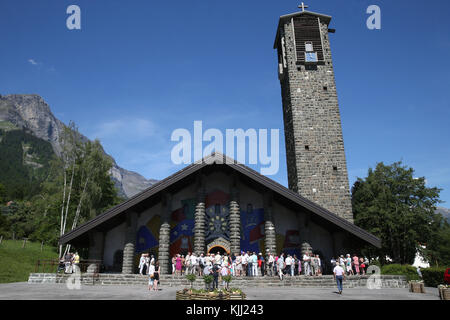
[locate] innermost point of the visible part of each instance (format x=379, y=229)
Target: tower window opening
x=335, y=168
x=306, y=147
x=325, y=88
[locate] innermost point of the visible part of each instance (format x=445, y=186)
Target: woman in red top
x=362, y=265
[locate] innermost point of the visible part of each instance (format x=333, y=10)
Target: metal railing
x=90, y=267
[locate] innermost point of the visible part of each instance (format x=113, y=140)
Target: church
x=217, y=204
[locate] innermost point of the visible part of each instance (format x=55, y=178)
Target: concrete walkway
x=26, y=291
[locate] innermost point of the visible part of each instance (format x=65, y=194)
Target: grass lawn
x=16, y=263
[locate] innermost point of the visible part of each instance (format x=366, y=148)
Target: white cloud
x=137, y=144
x=33, y=62
x=126, y=128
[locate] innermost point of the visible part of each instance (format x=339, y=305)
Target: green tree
x=58, y=196
x=2, y=195
x=87, y=188
x=396, y=207
x=437, y=249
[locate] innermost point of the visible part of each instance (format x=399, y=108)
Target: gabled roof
x=220, y=159
x=322, y=17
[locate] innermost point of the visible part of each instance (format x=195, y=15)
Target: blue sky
x=139, y=69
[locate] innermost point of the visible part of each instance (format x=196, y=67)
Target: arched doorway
x=218, y=245
x=222, y=250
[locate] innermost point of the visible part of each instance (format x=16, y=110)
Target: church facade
x=217, y=204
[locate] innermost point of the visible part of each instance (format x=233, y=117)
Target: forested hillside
x=24, y=163
x=42, y=195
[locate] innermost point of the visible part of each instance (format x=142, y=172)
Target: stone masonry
x=164, y=234
x=130, y=243
x=235, y=227
x=327, y=281
x=315, y=154
x=199, y=230
x=270, y=242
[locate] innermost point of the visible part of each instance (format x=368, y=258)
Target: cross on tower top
x=303, y=6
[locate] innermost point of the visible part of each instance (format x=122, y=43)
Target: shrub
x=433, y=276
x=401, y=269
x=208, y=278
x=227, y=280
x=191, y=278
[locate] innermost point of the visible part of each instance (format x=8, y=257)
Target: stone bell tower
x=315, y=153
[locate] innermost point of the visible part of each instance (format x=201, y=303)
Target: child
x=224, y=272
x=151, y=276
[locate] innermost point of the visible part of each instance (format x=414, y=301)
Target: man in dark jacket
x=216, y=269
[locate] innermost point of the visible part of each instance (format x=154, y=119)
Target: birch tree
x=90, y=189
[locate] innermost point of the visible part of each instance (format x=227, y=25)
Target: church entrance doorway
x=219, y=249
x=218, y=245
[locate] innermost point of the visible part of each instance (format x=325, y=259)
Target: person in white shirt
x=147, y=263
x=313, y=264
x=201, y=264
x=151, y=278
x=238, y=265
x=208, y=260
x=333, y=262
x=270, y=264
x=292, y=266
x=342, y=262
x=141, y=264
x=218, y=259
x=224, y=263
x=174, y=261
x=254, y=259
x=187, y=262
x=306, y=264
x=245, y=263
x=194, y=263
x=288, y=262
x=339, y=276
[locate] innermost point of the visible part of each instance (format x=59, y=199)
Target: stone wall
x=387, y=281
x=315, y=154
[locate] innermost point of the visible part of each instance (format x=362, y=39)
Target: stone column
x=130, y=243
x=270, y=241
x=199, y=228
x=164, y=235
x=235, y=222
x=303, y=229
x=96, y=245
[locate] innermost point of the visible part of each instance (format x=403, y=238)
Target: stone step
x=181, y=281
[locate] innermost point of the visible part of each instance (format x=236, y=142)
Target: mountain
x=445, y=212
x=31, y=113
x=24, y=162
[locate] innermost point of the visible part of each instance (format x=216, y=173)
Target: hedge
x=433, y=276
x=401, y=269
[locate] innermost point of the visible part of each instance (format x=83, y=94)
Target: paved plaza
x=26, y=291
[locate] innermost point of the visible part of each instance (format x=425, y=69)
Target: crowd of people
x=251, y=264
x=69, y=263
x=247, y=264
x=150, y=267
x=351, y=265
